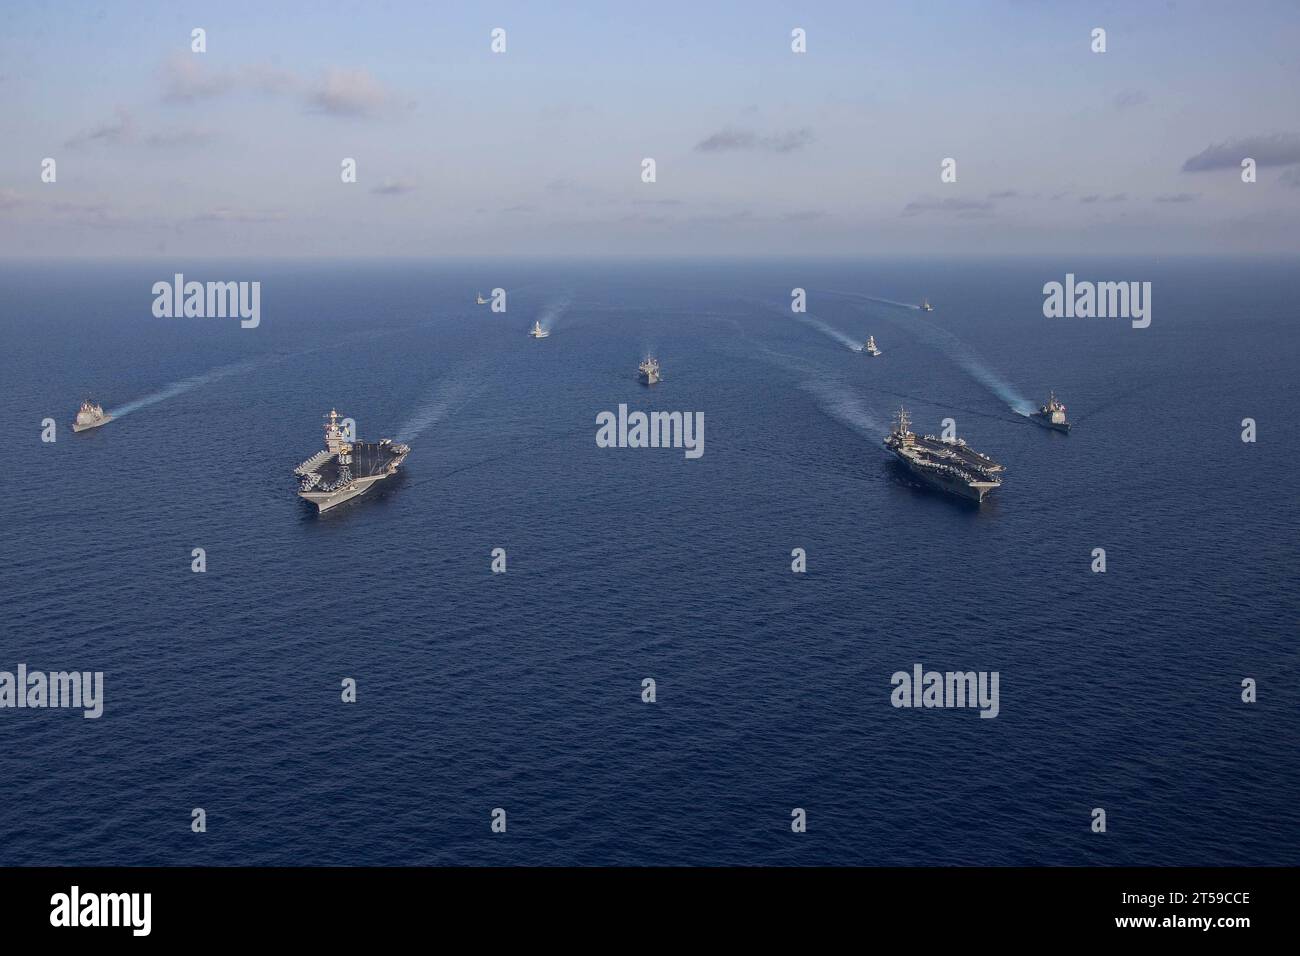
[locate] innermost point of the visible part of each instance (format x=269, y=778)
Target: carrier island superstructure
x=946, y=464
x=345, y=469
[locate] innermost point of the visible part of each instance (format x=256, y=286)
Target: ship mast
x=903, y=424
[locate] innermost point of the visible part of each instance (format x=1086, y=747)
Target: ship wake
x=829, y=331
x=553, y=311
x=960, y=353
x=841, y=404
x=970, y=362
x=447, y=398
x=186, y=385
x=871, y=298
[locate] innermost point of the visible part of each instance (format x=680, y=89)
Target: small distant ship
x=537, y=331
x=1052, y=415
x=870, y=347
x=946, y=464
x=925, y=306
x=649, y=370
x=346, y=469
x=90, y=415
x=480, y=300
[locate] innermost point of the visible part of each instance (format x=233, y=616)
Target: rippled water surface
x=523, y=690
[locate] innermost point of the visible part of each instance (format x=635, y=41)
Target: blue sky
x=460, y=151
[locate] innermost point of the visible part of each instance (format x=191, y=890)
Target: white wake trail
x=838, y=401
x=872, y=298
x=553, y=311
x=969, y=360
x=962, y=354
x=447, y=397
x=833, y=333
x=185, y=385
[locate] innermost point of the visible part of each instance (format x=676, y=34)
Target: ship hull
x=939, y=481
x=649, y=379
x=325, y=500
x=1063, y=427
x=85, y=428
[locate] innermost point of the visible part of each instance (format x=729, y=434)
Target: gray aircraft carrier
x=946, y=464
x=346, y=469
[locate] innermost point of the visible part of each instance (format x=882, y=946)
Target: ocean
x=523, y=691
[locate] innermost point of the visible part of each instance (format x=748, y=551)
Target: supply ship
x=649, y=370
x=90, y=415
x=346, y=469
x=946, y=464
x=1052, y=415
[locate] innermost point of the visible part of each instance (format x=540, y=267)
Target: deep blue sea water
x=522, y=691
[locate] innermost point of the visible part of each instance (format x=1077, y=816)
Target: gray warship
x=346, y=469
x=1052, y=415
x=649, y=370
x=90, y=415
x=946, y=464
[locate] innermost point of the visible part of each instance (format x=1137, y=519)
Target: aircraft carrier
x=346, y=469
x=946, y=464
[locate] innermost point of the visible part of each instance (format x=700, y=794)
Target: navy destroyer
x=1052, y=415
x=537, y=331
x=649, y=370
x=946, y=464
x=870, y=348
x=90, y=415
x=925, y=305
x=346, y=469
